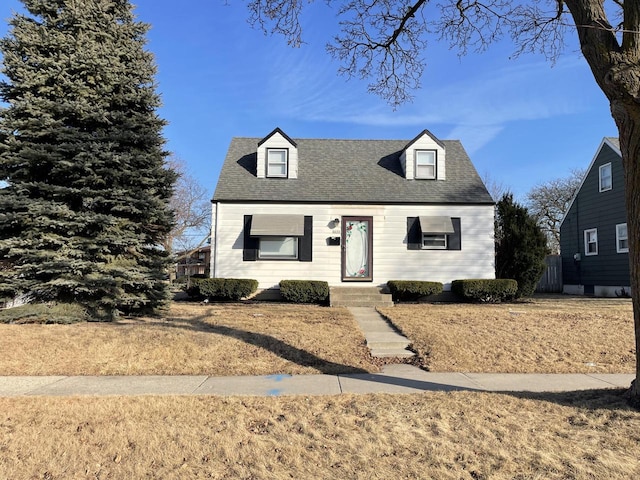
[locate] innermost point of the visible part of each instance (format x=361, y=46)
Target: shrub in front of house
x=412, y=290
x=305, y=291
x=64, y=313
x=222, y=288
x=486, y=290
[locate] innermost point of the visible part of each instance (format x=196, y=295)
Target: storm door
x=357, y=249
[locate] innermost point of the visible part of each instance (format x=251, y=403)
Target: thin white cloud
x=475, y=137
x=477, y=106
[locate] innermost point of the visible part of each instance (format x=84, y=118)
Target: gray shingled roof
x=348, y=171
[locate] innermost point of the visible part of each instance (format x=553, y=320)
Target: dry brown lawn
x=554, y=334
x=221, y=339
x=462, y=435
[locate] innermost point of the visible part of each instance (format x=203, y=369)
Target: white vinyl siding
x=591, y=241
x=391, y=259
x=605, y=177
x=622, y=238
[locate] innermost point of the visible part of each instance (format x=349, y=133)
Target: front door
x=357, y=249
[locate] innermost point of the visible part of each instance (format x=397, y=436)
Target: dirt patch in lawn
x=221, y=339
x=555, y=334
x=462, y=435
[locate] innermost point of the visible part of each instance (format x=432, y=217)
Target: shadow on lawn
x=596, y=399
x=272, y=344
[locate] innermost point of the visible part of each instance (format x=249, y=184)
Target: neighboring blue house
x=593, y=235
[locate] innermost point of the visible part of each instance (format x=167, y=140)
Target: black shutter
x=454, y=240
x=414, y=234
x=305, y=245
x=251, y=244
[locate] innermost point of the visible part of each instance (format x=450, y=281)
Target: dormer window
x=426, y=164
x=277, y=156
x=424, y=158
x=277, y=162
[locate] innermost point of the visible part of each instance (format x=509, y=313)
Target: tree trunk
x=627, y=118
x=616, y=70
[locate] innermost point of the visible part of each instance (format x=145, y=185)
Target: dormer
x=424, y=158
x=277, y=156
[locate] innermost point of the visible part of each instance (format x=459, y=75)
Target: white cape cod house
x=350, y=212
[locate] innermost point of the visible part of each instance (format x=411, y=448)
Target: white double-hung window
x=622, y=239
x=605, y=177
x=425, y=164
x=591, y=241
x=277, y=162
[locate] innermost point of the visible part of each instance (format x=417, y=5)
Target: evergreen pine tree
x=86, y=201
x=521, y=247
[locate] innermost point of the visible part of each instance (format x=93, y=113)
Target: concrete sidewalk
x=397, y=378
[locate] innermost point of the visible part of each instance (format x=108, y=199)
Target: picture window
x=283, y=248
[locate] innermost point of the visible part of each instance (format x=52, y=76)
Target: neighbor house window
x=426, y=164
x=277, y=162
x=622, y=240
x=605, y=177
x=278, y=247
x=591, y=241
x=434, y=241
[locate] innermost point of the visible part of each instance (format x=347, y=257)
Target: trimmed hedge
x=222, y=288
x=486, y=290
x=305, y=291
x=411, y=290
x=64, y=313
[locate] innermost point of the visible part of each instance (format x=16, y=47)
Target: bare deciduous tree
x=548, y=202
x=191, y=207
x=385, y=41
x=496, y=188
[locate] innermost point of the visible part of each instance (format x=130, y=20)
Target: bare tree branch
x=282, y=15
x=548, y=202
x=383, y=40
x=191, y=208
x=496, y=188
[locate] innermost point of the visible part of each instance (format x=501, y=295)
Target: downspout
x=579, y=264
x=214, y=241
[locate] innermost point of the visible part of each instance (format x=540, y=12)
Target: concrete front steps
x=359, y=297
x=383, y=340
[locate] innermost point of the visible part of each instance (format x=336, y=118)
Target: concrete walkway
x=393, y=379
x=383, y=340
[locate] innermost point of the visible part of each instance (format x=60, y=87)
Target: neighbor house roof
x=348, y=171
x=611, y=142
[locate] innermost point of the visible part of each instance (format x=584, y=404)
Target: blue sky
x=522, y=121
